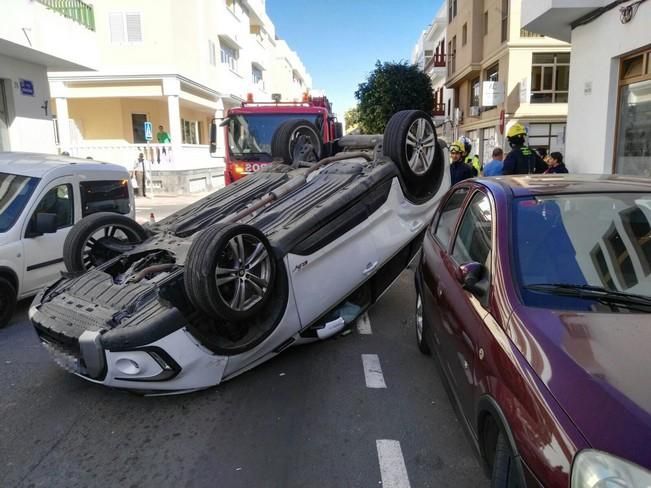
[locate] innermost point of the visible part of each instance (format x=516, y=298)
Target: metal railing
x=439, y=109
x=75, y=10
x=526, y=33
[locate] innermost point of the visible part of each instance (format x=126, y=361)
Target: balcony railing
x=436, y=61
x=75, y=10
x=526, y=33
x=439, y=109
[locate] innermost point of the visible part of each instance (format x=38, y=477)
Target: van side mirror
x=469, y=274
x=46, y=223
x=213, y=137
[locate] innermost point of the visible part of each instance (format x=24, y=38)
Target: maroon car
x=534, y=294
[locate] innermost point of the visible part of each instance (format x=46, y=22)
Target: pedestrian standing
x=162, y=137
x=459, y=170
x=555, y=164
x=494, y=167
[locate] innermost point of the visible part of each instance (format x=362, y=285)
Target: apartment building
x=177, y=65
x=37, y=36
x=609, y=119
x=502, y=74
x=430, y=55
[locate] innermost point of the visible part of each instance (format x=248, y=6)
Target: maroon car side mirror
x=469, y=274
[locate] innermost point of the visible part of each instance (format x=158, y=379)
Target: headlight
x=595, y=469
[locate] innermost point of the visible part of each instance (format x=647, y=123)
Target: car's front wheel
x=420, y=327
x=229, y=271
x=7, y=301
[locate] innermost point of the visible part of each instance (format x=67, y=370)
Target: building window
x=229, y=56
x=125, y=27
x=192, y=131
x=488, y=144
x=475, y=94
x=493, y=73
x=212, y=53
x=633, y=143
x=453, y=55
x=450, y=11
x=550, y=77
x=550, y=137
x=454, y=8
x=464, y=34
x=256, y=75
x=505, y=20
x=237, y=7
x=486, y=22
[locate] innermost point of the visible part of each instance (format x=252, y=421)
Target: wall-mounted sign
x=26, y=87
x=492, y=93
x=525, y=92
x=149, y=131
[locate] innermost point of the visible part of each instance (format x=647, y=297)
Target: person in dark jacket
x=522, y=160
x=459, y=170
x=555, y=164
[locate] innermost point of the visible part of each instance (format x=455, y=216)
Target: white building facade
x=177, y=65
x=429, y=54
x=37, y=36
x=609, y=113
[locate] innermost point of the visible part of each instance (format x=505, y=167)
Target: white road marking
x=373, y=371
x=364, y=325
x=392, y=464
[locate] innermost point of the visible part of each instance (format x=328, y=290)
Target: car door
x=463, y=311
x=43, y=254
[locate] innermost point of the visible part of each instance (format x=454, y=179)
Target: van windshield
x=15, y=191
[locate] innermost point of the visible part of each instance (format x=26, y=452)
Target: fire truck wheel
x=229, y=271
x=410, y=142
x=98, y=238
x=297, y=140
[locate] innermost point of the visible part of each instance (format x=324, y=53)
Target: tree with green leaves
x=392, y=87
x=351, y=117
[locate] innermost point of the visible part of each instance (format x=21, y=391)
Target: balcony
x=74, y=10
x=526, y=33
x=439, y=110
x=436, y=61
x=554, y=17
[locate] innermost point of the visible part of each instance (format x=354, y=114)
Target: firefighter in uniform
x=459, y=170
x=522, y=160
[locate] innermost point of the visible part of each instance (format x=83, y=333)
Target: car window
x=15, y=192
x=449, y=215
x=58, y=201
x=473, y=241
x=105, y=196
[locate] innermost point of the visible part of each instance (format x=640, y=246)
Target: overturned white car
x=287, y=255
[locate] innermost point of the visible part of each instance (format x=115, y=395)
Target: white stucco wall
x=592, y=113
x=29, y=128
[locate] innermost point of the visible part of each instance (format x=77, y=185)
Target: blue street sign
x=149, y=131
x=27, y=87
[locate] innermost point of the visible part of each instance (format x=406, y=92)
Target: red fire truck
x=249, y=131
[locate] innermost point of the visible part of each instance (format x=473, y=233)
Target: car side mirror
x=46, y=223
x=469, y=274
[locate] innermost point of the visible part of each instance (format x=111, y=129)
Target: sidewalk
x=162, y=206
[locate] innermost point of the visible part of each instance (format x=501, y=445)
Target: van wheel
x=229, y=271
x=98, y=238
x=7, y=301
x=410, y=142
x=297, y=140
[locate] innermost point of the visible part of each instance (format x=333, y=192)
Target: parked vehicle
x=534, y=295
x=41, y=197
x=250, y=129
x=287, y=255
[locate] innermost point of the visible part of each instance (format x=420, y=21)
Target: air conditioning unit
x=475, y=111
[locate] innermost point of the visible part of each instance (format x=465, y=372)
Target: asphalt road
x=304, y=419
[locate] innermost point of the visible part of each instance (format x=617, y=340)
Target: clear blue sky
x=340, y=40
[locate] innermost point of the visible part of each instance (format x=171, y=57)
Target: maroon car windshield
x=588, y=252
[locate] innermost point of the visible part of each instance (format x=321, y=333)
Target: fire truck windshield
x=249, y=135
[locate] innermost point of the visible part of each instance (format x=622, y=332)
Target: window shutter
x=116, y=27
x=134, y=27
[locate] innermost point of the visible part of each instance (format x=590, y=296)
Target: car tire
x=420, y=327
x=229, y=271
x=297, y=140
x=504, y=469
x=83, y=247
x=410, y=141
x=7, y=301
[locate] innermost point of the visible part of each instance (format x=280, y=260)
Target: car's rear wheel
x=98, y=238
x=410, y=142
x=229, y=271
x=420, y=327
x=7, y=301
x=297, y=140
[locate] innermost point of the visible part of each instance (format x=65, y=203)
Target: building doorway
x=4, y=118
x=138, y=127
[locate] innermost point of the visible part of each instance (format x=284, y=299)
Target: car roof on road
x=526, y=185
x=38, y=165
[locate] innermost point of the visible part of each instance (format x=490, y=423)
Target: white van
x=41, y=198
